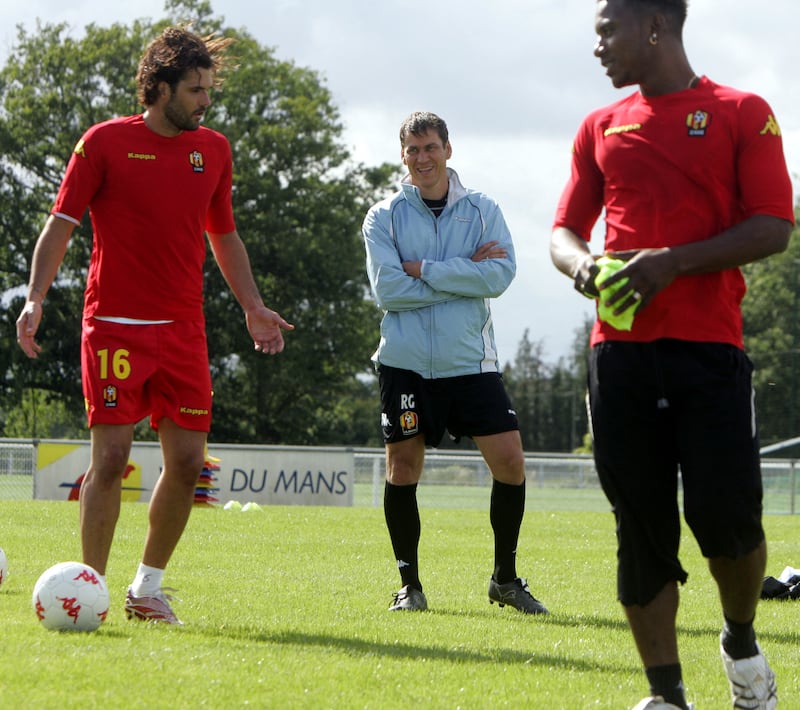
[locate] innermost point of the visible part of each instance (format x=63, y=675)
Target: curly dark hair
x=173, y=53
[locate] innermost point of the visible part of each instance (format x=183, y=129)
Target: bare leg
x=504, y=456
x=739, y=583
x=653, y=627
x=173, y=497
x=404, y=461
x=101, y=491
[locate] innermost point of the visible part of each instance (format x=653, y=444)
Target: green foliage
x=586, y=447
x=42, y=415
x=298, y=197
x=354, y=417
x=52, y=87
x=299, y=206
x=771, y=311
x=299, y=201
x=549, y=399
x=302, y=622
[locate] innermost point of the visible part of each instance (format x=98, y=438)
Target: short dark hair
x=174, y=52
x=419, y=123
x=674, y=9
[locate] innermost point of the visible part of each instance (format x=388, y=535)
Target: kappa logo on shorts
x=110, y=396
x=193, y=411
x=409, y=423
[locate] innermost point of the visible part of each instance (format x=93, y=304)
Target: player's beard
x=179, y=117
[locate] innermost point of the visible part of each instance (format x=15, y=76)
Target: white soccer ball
x=3, y=567
x=70, y=596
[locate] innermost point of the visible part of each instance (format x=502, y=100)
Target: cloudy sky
x=512, y=78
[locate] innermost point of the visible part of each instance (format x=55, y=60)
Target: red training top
x=675, y=169
x=151, y=199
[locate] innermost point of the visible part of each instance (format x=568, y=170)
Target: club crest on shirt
x=196, y=161
x=110, y=396
x=698, y=122
x=409, y=423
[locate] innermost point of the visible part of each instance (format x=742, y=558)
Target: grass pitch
x=286, y=608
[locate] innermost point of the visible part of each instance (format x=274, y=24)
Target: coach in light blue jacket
x=436, y=254
x=439, y=324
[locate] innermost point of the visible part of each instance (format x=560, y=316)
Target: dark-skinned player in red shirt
x=693, y=182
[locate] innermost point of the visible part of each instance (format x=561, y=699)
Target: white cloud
x=512, y=78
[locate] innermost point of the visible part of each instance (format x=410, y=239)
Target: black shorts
x=470, y=405
x=663, y=407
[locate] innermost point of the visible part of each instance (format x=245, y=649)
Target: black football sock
x=667, y=682
x=739, y=640
x=505, y=514
x=402, y=520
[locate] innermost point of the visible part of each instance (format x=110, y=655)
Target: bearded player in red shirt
x=154, y=184
x=693, y=182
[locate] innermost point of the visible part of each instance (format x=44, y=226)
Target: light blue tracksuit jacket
x=439, y=325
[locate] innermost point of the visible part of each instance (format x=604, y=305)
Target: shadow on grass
x=355, y=646
x=790, y=637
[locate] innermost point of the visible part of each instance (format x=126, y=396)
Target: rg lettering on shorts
x=409, y=421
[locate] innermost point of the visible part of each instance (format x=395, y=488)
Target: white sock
x=147, y=581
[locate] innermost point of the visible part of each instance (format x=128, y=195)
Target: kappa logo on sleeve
x=771, y=127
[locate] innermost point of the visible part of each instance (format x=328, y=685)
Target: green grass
x=468, y=497
x=287, y=609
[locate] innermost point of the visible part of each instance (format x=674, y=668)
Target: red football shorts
x=130, y=371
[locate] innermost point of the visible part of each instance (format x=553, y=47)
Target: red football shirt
x=670, y=170
x=151, y=199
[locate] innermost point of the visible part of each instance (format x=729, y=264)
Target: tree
x=41, y=415
x=298, y=197
x=50, y=87
x=771, y=312
x=300, y=207
x=526, y=380
x=549, y=398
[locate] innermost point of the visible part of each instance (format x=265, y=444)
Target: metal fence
x=456, y=480
x=462, y=480
x=17, y=464
x=555, y=482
